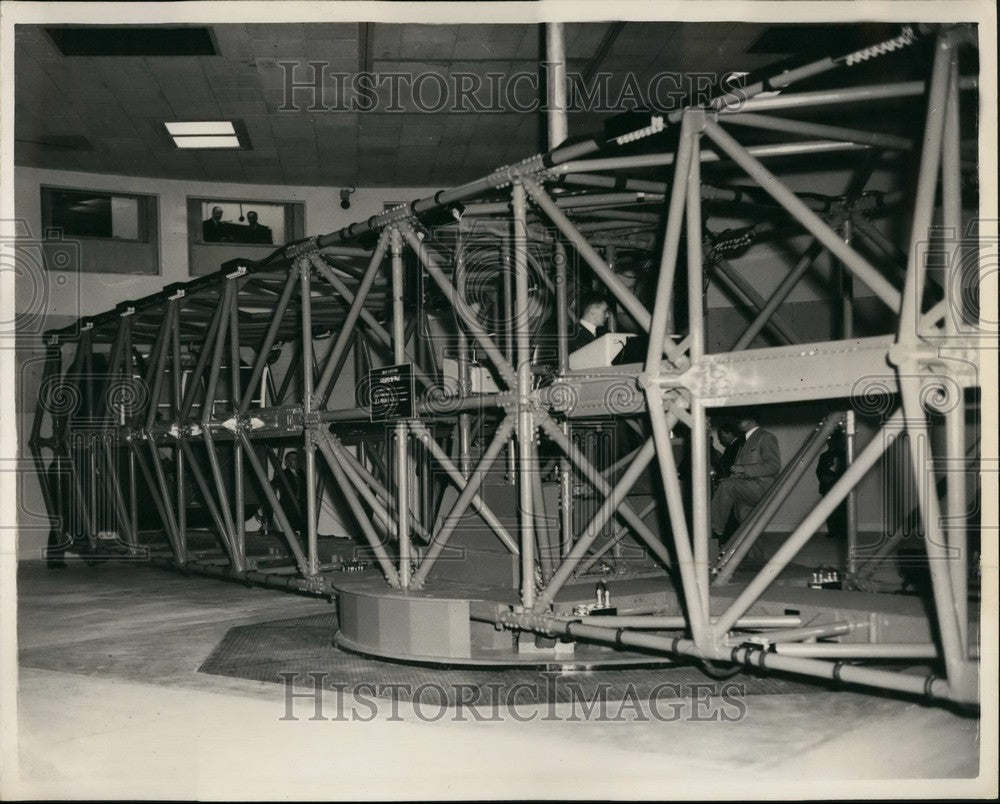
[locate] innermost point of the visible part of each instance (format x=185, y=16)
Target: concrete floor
x=111, y=705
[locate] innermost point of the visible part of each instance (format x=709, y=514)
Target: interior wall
x=48, y=299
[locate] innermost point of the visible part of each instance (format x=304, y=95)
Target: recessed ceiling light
x=207, y=133
x=231, y=141
x=200, y=127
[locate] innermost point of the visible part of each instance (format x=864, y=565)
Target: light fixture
x=205, y=134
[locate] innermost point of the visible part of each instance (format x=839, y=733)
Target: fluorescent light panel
x=202, y=127
x=231, y=141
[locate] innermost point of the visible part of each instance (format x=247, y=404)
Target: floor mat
x=299, y=652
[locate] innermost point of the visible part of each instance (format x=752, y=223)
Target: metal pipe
x=858, y=650
x=749, y=296
x=690, y=587
x=350, y=321
x=700, y=435
x=809, y=632
x=463, y=381
x=239, y=523
x=166, y=515
x=839, y=97
x=503, y=431
x=613, y=500
x=402, y=441
x=376, y=328
x=386, y=512
x=326, y=447
x=461, y=481
x=661, y=321
x=616, y=538
x=868, y=457
x=180, y=478
x=503, y=366
x=956, y=499
x=665, y=622
x=665, y=159
x=555, y=54
x=279, y=512
x=308, y=402
x=748, y=534
x=203, y=357
x=222, y=496
x=774, y=301
x=748, y=655
x=507, y=296
x=627, y=299
x=858, y=265
x=158, y=364
x=525, y=421
x=596, y=479
x=269, y=337
x=206, y=493
x=820, y=130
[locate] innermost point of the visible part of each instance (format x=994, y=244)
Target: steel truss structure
x=174, y=390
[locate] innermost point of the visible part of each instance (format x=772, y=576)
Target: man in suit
x=594, y=309
x=214, y=230
x=757, y=465
x=256, y=232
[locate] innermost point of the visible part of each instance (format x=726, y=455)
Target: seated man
x=757, y=465
x=594, y=309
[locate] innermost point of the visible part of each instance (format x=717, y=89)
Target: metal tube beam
x=353, y=314
x=868, y=457
x=279, y=512
x=555, y=54
x=325, y=447
x=753, y=527
x=780, y=293
x=747, y=294
x=596, y=479
x=820, y=130
x=270, y=336
x=402, y=441
x=503, y=431
x=594, y=528
x=461, y=481
x=859, y=266
x=525, y=420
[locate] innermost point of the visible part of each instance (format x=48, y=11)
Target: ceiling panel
x=120, y=103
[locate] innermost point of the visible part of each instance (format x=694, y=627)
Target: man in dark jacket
x=756, y=468
x=594, y=309
x=256, y=232
x=829, y=468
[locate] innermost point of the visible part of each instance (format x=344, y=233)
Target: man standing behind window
x=256, y=232
x=214, y=230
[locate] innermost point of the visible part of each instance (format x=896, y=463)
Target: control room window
x=224, y=229
x=91, y=214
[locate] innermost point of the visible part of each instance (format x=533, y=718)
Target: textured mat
x=300, y=652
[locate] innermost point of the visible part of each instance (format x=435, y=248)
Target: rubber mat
x=300, y=652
